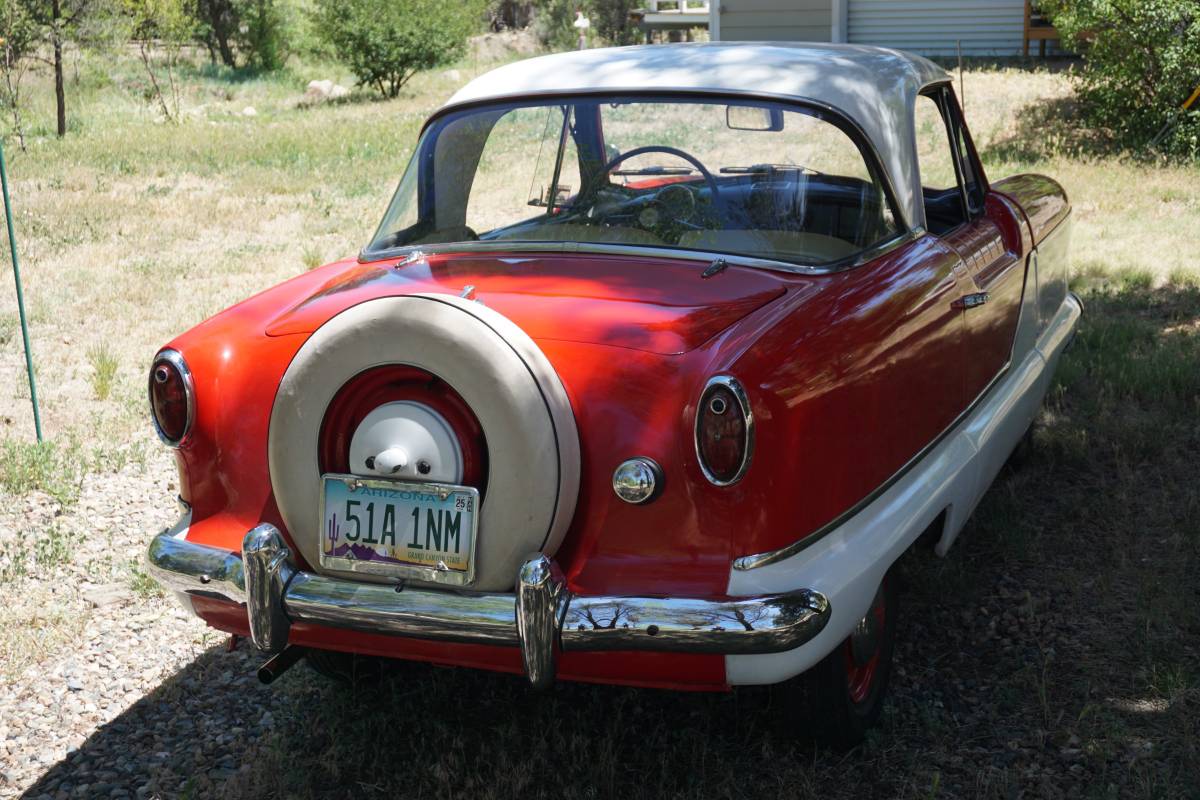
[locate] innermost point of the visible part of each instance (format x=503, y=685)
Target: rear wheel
x=843, y=695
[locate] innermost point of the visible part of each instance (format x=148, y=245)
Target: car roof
x=875, y=87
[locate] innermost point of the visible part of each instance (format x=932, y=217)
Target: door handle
x=970, y=300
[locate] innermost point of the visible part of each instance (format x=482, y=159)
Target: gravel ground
x=111, y=689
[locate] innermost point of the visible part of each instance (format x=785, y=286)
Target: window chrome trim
x=739, y=394
x=175, y=359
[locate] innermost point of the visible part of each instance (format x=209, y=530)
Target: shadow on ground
x=1053, y=654
x=1048, y=128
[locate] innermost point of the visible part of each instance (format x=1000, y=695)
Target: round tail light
x=172, y=397
x=724, y=431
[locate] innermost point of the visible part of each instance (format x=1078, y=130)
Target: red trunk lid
x=656, y=305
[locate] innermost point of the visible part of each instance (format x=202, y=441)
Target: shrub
x=386, y=42
x=1141, y=62
x=265, y=32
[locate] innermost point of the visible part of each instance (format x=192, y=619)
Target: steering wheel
x=674, y=151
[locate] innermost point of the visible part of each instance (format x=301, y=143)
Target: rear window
x=772, y=181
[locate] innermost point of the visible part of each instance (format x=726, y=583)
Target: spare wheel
x=467, y=396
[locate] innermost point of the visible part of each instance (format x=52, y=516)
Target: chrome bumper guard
x=541, y=617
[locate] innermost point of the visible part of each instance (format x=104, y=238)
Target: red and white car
x=659, y=360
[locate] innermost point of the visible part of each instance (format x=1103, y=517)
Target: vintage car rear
x=659, y=360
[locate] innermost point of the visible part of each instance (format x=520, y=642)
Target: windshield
x=772, y=181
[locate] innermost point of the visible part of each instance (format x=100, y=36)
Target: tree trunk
x=60, y=97
x=220, y=17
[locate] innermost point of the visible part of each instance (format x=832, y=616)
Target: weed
x=104, y=370
x=47, y=467
x=51, y=548
x=142, y=584
x=312, y=257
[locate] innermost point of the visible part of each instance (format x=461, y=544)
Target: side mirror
x=753, y=118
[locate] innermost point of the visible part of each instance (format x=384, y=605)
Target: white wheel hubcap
x=406, y=440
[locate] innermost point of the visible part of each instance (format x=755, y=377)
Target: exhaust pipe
x=278, y=664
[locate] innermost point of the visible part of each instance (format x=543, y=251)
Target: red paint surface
x=848, y=374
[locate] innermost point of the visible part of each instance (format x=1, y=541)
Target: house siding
x=776, y=20
x=935, y=27
x=929, y=27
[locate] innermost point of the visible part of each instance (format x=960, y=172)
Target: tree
x=169, y=24
x=62, y=22
x=1141, y=62
x=386, y=42
x=20, y=36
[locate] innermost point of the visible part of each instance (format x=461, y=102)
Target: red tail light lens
x=724, y=431
x=172, y=398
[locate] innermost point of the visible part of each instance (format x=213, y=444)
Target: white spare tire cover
x=532, y=442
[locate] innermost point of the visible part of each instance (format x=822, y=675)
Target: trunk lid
x=652, y=304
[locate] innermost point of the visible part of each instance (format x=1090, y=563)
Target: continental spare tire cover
x=532, y=441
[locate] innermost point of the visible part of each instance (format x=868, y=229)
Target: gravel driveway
x=123, y=693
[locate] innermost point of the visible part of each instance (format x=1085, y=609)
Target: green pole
x=12, y=246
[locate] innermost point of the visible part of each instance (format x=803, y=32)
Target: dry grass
x=132, y=230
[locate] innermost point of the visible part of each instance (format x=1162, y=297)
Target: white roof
x=875, y=87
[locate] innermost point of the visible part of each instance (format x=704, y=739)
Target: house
x=929, y=27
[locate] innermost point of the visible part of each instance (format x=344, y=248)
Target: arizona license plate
x=403, y=529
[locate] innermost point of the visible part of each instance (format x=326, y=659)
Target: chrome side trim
x=539, y=618
x=734, y=386
x=175, y=359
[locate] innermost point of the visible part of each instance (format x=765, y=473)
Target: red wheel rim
x=374, y=387
x=862, y=666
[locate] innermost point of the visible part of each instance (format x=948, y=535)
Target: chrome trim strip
x=175, y=359
x=763, y=559
x=539, y=618
x=732, y=384
x=516, y=247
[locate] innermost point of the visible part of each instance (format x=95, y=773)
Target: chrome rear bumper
x=541, y=617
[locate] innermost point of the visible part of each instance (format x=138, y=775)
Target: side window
x=971, y=181
x=944, y=207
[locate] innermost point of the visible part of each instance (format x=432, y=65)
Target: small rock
x=107, y=595
x=74, y=684
x=249, y=111
x=452, y=75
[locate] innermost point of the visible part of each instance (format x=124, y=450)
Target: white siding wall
x=775, y=20
x=932, y=27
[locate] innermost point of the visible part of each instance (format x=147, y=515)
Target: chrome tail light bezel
x=175, y=360
x=747, y=416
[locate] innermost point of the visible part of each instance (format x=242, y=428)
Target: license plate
x=422, y=531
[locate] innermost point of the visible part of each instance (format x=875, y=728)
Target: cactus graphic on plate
x=333, y=532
